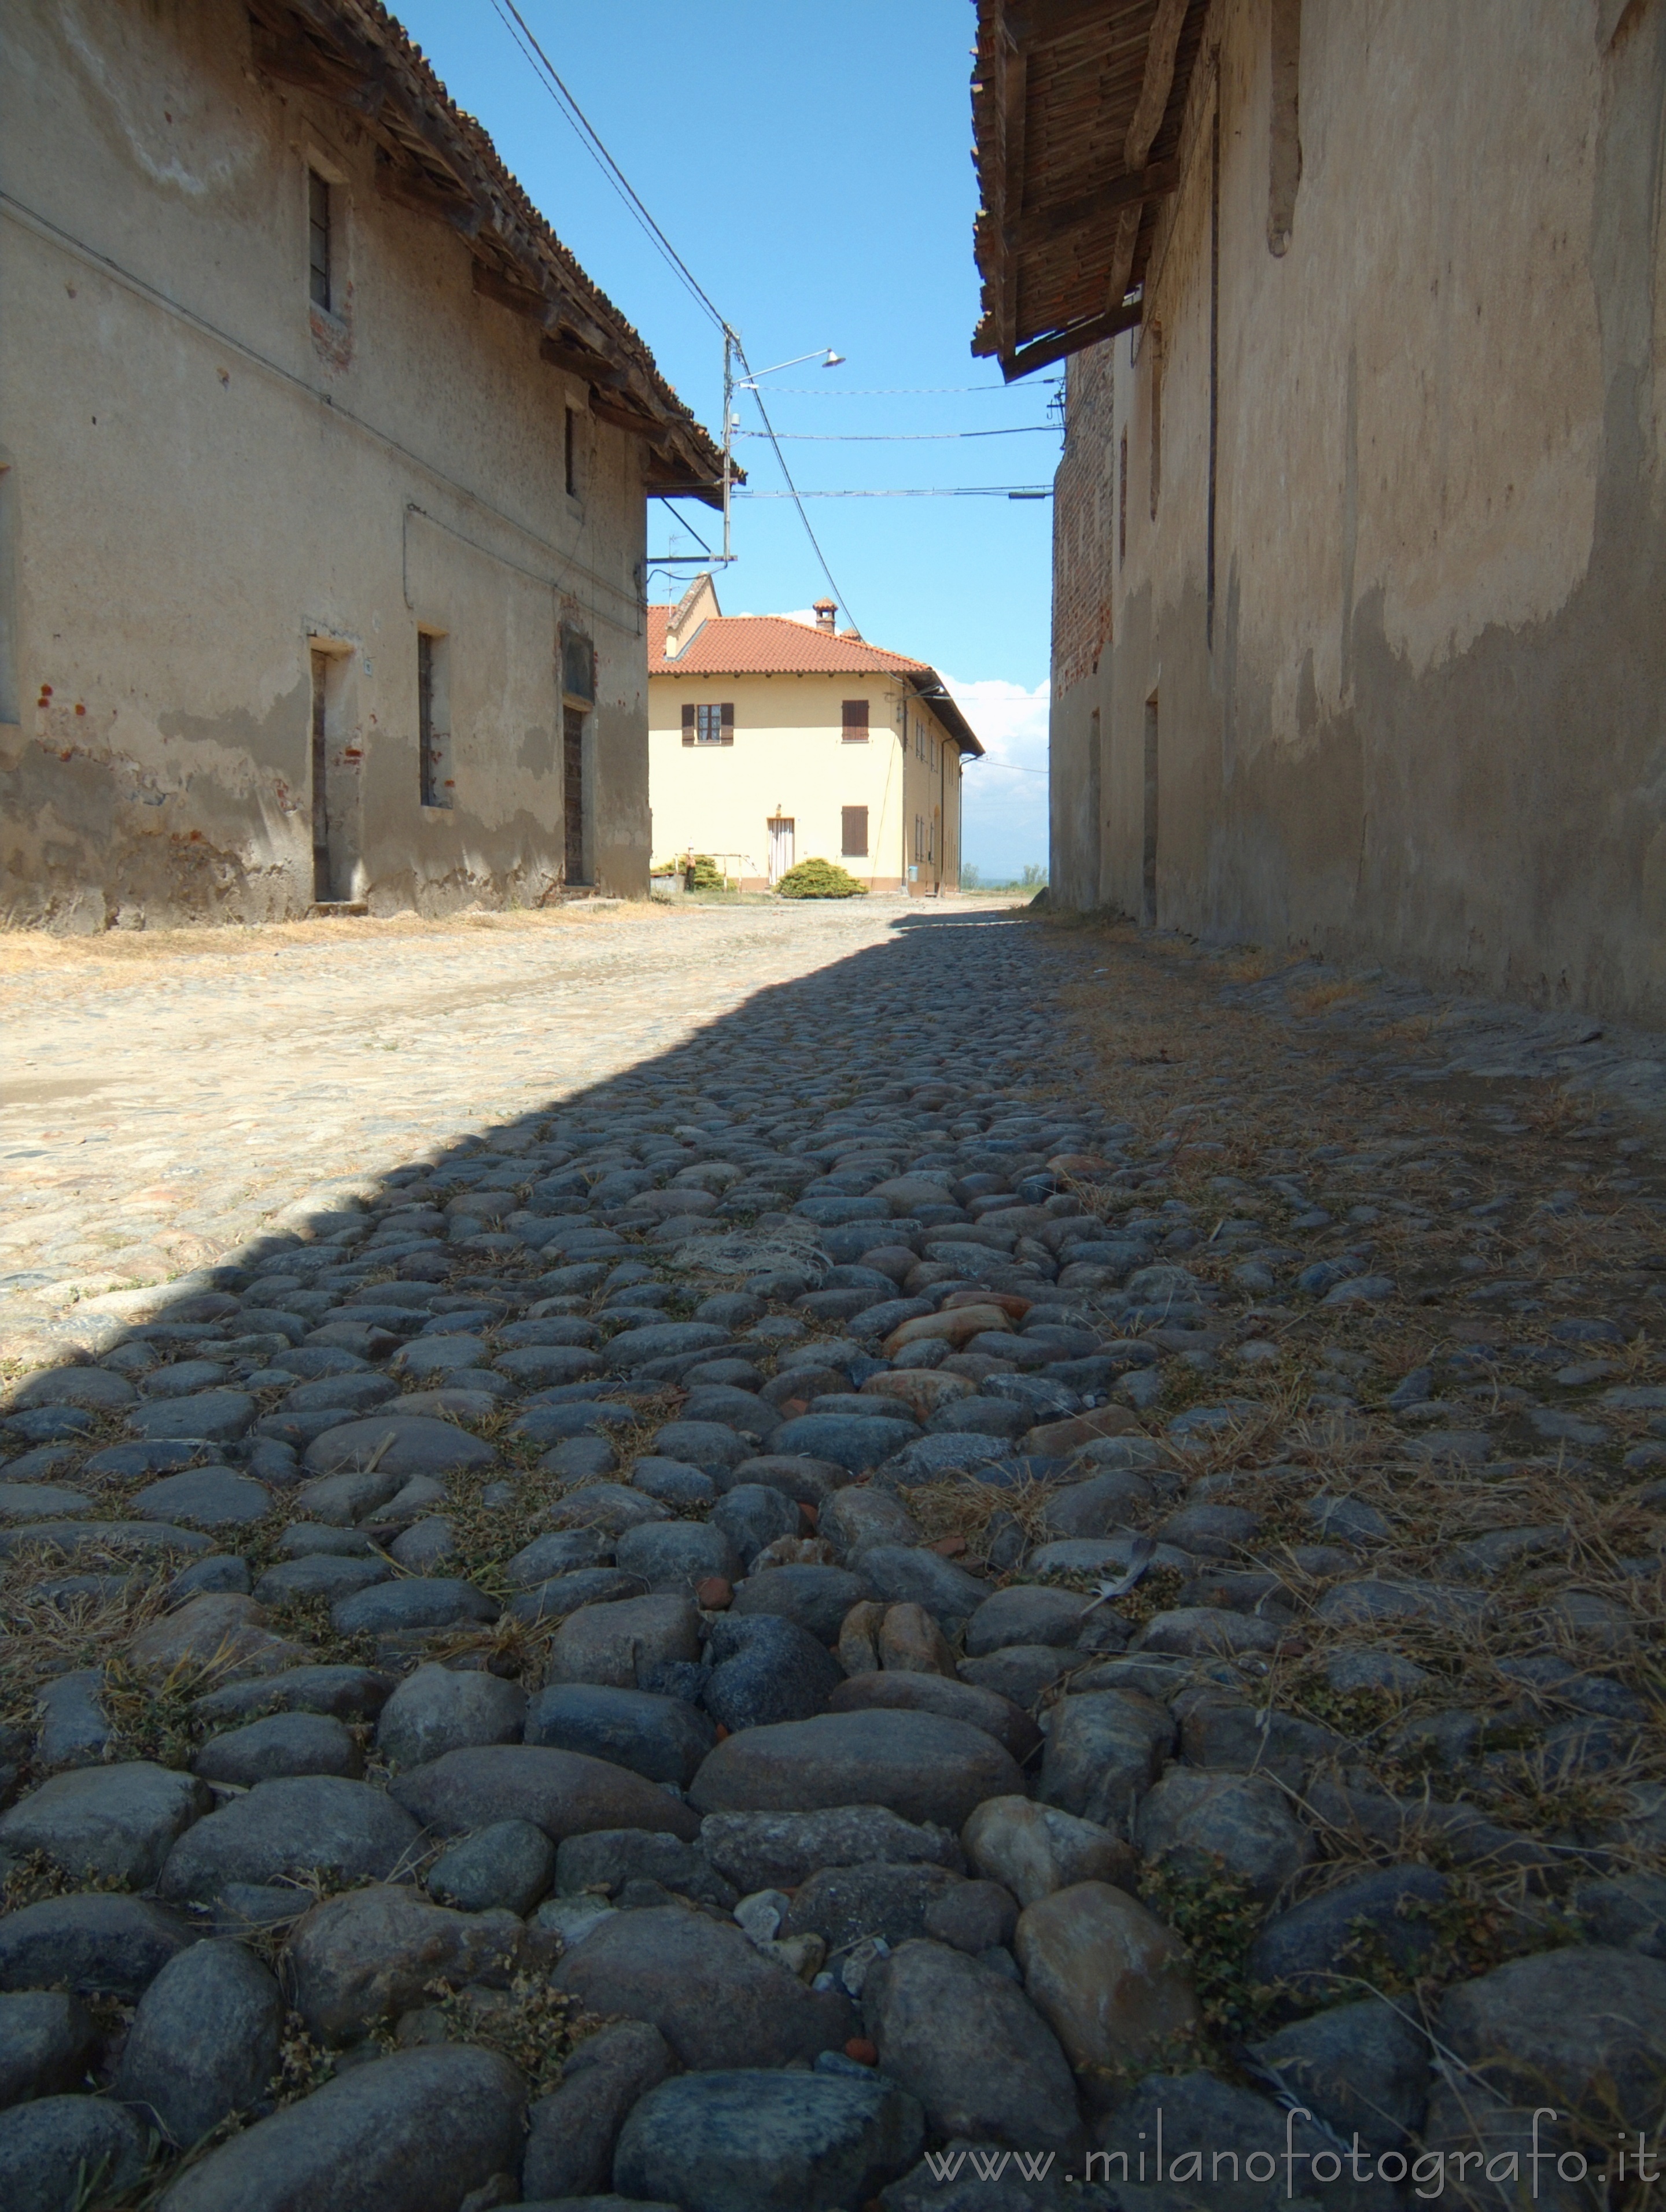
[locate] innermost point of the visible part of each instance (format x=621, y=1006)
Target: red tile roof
x=770, y=645
x=775, y=645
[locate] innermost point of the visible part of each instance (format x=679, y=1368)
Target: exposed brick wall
x=1083, y=519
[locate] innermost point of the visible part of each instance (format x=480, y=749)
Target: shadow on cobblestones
x=1093, y=1337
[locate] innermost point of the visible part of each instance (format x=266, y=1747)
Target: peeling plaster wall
x=1427, y=722
x=204, y=475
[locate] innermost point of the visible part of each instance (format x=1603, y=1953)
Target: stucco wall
x=206, y=477
x=789, y=758
x=1426, y=719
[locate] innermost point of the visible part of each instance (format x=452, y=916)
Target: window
x=578, y=666
x=317, y=240
x=853, y=839
x=855, y=721
x=434, y=718
x=919, y=836
x=571, y=454
x=709, y=725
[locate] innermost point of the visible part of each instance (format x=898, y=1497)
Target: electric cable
x=897, y=437
x=532, y=51
x=592, y=142
x=890, y=390
x=792, y=489
x=926, y=491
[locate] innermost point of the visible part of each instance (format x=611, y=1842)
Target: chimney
x=826, y=612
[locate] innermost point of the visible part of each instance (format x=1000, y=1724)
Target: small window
x=578, y=666
x=434, y=718
x=571, y=453
x=317, y=240
x=709, y=725
x=854, y=839
x=855, y=721
x=919, y=836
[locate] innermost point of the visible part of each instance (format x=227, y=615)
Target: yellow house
x=772, y=741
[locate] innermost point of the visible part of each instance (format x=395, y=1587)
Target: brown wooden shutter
x=854, y=837
x=688, y=726
x=726, y=725
x=856, y=723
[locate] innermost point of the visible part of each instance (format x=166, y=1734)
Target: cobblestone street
x=819, y=1539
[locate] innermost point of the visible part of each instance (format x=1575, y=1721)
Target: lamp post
x=825, y=354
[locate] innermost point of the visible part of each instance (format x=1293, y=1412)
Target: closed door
x=781, y=845
x=572, y=740
x=321, y=891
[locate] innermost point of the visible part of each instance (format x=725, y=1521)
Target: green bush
x=819, y=879
x=705, y=875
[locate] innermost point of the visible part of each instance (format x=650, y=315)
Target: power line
x=792, y=488
x=590, y=140
x=898, y=437
x=890, y=390
x=932, y=491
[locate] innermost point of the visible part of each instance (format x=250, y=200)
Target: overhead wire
x=890, y=390
x=924, y=491
x=590, y=139
x=897, y=437
x=511, y=17
x=792, y=489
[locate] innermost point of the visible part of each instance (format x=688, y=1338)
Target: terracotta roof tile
x=775, y=645
x=770, y=645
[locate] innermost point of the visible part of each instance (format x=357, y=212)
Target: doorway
x=572, y=755
x=1092, y=809
x=334, y=766
x=1148, y=893
x=781, y=838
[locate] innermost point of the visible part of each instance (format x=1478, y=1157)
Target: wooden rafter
x=607, y=408
x=1062, y=89
x=1015, y=80
x=1134, y=189
x=437, y=162
x=563, y=352
x=1044, y=351
x=416, y=189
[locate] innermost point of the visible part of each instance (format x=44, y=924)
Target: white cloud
x=1006, y=793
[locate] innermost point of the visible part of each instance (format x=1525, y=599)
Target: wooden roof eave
x=352, y=53
x=1060, y=244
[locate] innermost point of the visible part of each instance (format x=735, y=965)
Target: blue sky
x=811, y=165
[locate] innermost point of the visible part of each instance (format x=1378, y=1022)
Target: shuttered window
x=854, y=841
x=317, y=240
x=855, y=719
x=709, y=724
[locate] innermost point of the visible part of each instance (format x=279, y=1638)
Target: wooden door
x=322, y=892
x=572, y=742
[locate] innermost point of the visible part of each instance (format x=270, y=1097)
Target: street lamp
x=829, y=360
x=825, y=354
